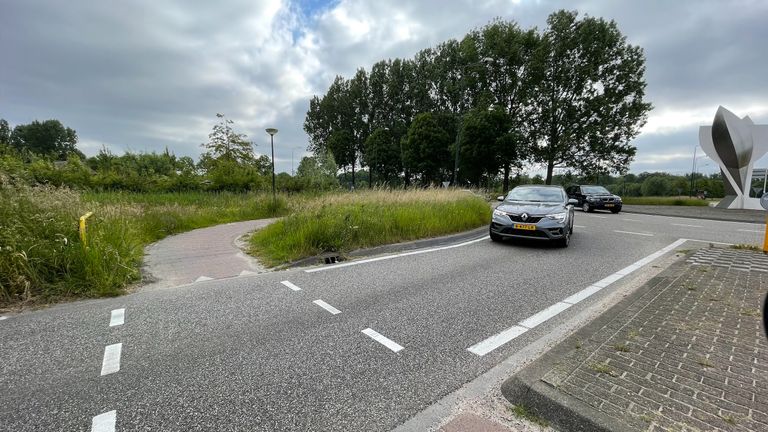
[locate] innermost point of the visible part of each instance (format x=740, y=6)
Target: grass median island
x=341, y=223
x=668, y=201
x=41, y=256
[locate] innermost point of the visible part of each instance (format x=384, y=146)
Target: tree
x=5, y=133
x=224, y=144
x=588, y=94
x=656, y=185
x=426, y=149
x=318, y=172
x=382, y=154
x=48, y=138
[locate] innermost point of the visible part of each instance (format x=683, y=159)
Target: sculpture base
x=739, y=202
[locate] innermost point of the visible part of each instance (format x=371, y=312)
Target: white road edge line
x=104, y=422
x=327, y=307
x=291, y=286
x=117, y=318
x=484, y=347
x=111, y=362
x=687, y=225
x=633, y=233
x=3, y=317
x=389, y=343
x=387, y=257
x=203, y=279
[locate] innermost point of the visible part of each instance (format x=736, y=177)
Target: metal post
x=272, y=143
x=456, y=149
x=693, y=171
x=83, y=236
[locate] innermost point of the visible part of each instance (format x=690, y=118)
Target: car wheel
x=565, y=241
x=495, y=237
x=587, y=208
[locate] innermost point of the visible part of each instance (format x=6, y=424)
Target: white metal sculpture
x=735, y=144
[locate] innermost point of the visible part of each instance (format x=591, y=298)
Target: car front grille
x=607, y=199
x=531, y=219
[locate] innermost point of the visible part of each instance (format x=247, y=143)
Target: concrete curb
x=395, y=248
x=758, y=218
x=565, y=412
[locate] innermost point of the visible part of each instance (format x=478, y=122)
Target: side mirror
x=572, y=201
x=500, y=198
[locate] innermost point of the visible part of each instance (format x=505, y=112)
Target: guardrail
x=83, y=236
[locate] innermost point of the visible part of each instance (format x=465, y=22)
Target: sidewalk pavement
x=685, y=352
x=699, y=212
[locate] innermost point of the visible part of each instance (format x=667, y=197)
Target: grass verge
x=41, y=256
x=345, y=222
x=668, y=201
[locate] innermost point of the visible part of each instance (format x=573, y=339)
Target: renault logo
x=524, y=216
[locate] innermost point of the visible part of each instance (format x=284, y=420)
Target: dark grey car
x=534, y=212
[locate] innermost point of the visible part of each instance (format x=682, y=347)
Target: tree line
x=482, y=107
x=46, y=153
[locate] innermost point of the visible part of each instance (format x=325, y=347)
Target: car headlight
x=498, y=213
x=592, y=199
x=560, y=217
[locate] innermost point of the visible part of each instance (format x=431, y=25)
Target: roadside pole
x=764, y=203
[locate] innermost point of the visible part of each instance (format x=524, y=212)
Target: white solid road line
x=117, y=318
x=3, y=317
x=104, y=422
x=633, y=233
x=753, y=231
x=327, y=307
x=688, y=225
x=291, y=286
x=389, y=343
x=387, y=257
x=111, y=362
x=497, y=340
x=599, y=217
x=203, y=278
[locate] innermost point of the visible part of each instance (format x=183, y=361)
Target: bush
x=655, y=186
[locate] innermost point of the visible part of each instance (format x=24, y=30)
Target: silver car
x=534, y=212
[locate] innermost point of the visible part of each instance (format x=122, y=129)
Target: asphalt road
x=251, y=353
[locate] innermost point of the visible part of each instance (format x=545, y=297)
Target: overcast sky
x=143, y=75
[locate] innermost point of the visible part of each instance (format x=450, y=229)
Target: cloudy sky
x=143, y=75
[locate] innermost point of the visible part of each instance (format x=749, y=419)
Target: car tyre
x=587, y=208
x=495, y=237
x=565, y=241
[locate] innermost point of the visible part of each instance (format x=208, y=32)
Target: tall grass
x=42, y=258
x=344, y=222
x=669, y=201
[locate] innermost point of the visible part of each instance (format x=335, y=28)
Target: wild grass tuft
x=344, y=222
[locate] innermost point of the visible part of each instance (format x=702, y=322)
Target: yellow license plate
x=525, y=226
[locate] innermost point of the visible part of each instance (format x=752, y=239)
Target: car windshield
x=594, y=190
x=535, y=194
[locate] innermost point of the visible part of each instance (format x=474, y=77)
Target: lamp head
x=271, y=131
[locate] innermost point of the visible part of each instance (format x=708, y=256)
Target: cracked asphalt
x=249, y=354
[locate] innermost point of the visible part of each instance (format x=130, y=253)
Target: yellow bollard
x=765, y=239
x=83, y=238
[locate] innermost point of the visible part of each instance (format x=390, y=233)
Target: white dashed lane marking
x=104, y=422
x=631, y=220
x=117, y=318
x=327, y=307
x=291, y=286
x=484, y=347
x=633, y=233
x=203, y=278
x=389, y=343
x=579, y=226
x=111, y=362
x=688, y=225
x=753, y=231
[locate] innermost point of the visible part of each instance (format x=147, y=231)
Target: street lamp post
x=272, y=132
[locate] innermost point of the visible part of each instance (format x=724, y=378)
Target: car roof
x=539, y=186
